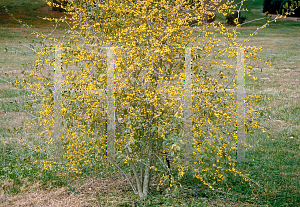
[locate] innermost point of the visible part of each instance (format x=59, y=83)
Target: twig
x=126, y=177
x=216, y=95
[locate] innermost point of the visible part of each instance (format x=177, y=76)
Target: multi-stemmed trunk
x=142, y=176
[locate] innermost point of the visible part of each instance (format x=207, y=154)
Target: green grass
x=18, y=170
x=273, y=161
x=7, y=33
x=11, y=93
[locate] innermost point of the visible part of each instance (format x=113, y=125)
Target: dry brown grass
x=55, y=197
x=86, y=193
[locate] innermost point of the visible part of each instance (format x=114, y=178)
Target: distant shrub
x=288, y=3
x=277, y=6
x=230, y=18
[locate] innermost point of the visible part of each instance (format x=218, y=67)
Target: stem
x=135, y=174
x=141, y=168
x=147, y=174
x=148, y=166
x=133, y=187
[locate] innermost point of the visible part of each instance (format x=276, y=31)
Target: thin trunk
x=136, y=175
x=147, y=175
x=141, y=168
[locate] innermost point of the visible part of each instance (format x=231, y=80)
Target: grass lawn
x=273, y=161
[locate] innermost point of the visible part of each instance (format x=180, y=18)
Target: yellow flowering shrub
x=149, y=39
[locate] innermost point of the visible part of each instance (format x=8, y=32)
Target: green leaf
x=129, y=149
x=125, y=112
x=72, y=188
x=154, y=129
